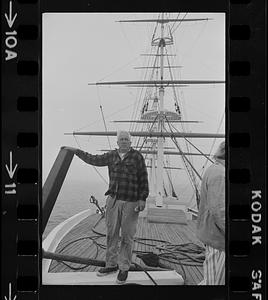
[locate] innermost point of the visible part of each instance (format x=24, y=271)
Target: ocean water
x=74, y=198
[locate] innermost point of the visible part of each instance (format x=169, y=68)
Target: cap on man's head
x=123, y=133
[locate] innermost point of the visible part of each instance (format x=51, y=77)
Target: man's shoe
x=107, y=270
x=122, y=277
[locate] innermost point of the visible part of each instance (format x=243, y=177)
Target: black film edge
x=21, y=205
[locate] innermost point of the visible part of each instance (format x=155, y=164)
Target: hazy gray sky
x=79, y=48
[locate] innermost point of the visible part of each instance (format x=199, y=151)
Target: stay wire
x=76, y=140
x=150, y=130
x=176, y=98
x=214, y=141
x=135, y=111
x=92, y=166
x=194, y=146
x=118, y=69
x=179, y=23
x=183, y=156
x=103, y=118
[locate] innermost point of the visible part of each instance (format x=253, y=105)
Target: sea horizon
x=74, y=198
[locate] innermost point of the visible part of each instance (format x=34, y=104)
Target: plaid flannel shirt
x=128, y=176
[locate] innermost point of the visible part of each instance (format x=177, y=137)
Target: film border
x=22, y=143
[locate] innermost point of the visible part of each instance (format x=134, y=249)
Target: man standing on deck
x=211, y=220
x=126, y=196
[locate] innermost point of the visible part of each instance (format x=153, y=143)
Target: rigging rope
x=183, y=156
x=179, y=23
x=174, y=22
x=125, y=36
x=177, y=104
x=105, y=127
x=192, y=177
x=137, y=103
x=214, y=141
x=100, y=175
x=147, y=94
x=92, y=166
x=171, y=183
x=187, y=254
x=102, y=114
x=141, y=91
x=187, y=163
x=145, y=139
x=192, y=46
x=76, y=140
x=207, y=157
x=118, y=69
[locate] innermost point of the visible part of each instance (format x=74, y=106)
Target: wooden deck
x=176, y=234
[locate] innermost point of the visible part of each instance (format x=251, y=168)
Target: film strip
x=21, y=205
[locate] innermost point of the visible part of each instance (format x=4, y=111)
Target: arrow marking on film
x=10, y=169
x=9, y=296
x=10, y=19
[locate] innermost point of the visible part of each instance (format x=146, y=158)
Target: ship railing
x=54, y=183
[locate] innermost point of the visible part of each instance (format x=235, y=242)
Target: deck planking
x=174, y=233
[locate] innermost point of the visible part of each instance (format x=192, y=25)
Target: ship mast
x=160, y=115
x=160, y=141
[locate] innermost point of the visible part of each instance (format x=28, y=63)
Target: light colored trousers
x=120, y=215
x=214, y=267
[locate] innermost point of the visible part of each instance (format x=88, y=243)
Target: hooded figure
x=211, y=219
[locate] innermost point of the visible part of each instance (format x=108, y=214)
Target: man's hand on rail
x=71, y=149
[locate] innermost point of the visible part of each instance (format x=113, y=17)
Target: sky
x=81, y=48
